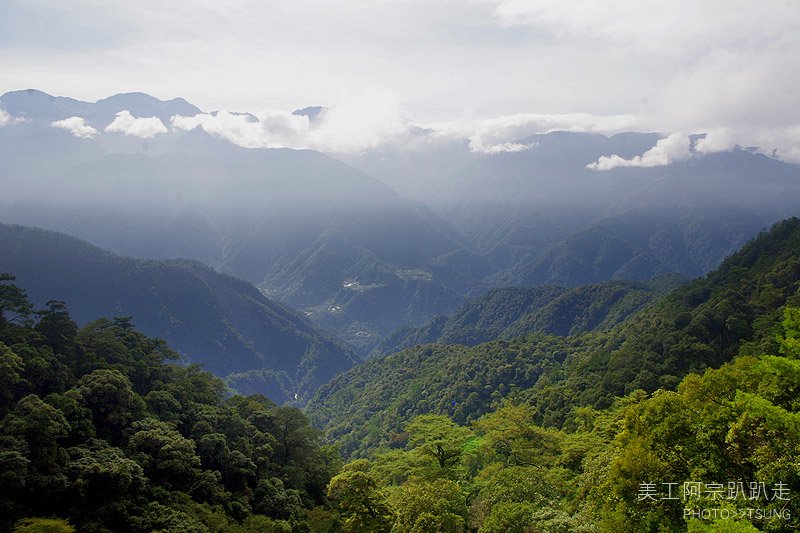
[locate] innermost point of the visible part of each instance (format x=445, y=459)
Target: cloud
x=778, y=143
x=374, y=118
x=127, y=124
x=273, y=129
x=7, y=120
x=356, y=124
x=675, y=147
x=77, y=126
x=676, y=29
x=502, y=134
x=721, y=66
x=502, y=148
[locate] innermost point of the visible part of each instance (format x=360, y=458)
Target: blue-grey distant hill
x=219, y=321
x=330, y=235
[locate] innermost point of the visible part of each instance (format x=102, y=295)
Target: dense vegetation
x=515, y=311
x=100, y=430
x=702, y=324
x=577, y=445
x=732, y=433
x=583, y=432
x=216, y=320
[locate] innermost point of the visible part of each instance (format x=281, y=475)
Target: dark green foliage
x=699, y=325
x=99, y=430
x=515, y=311
x=210, y=318
x=43, y=525
x=739, y=424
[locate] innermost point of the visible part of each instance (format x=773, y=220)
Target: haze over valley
x=355, y=256
x=466, y=266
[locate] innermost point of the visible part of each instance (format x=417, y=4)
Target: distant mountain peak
x=314, y=113
x=45, y=108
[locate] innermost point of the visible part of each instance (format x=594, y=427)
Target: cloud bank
x=675, y=147
x=374, y=118
x=507, y=133
x=77, y=126
x=722, y=67
x=354, y=125
x=7, y=120
x=127, y=124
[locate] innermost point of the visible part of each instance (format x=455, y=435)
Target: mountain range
x=213, y=319
x=702, y=324
x=517, y=311
x=323, y=234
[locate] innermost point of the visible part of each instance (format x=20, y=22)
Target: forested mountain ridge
x=210, y=318
x=542, y=217
x=515, y=311
x=99, y=431
x=701, y=324
x=346, y=249
x=305, y=227
x=99, y=428
x=728, y=433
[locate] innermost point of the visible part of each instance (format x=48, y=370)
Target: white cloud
x=720, y=66
x=127, y=124
x=502, y=134
x=725, y=67
x=501, y=148
x=675, y=147
x=7, y=120
x=778, y=143
x=77, y=126
x=677, y=28
x=359, y=122
x=273, y=129
x=374, y=118
x=356, y=124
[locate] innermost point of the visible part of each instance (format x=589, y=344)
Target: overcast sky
x=724, y=66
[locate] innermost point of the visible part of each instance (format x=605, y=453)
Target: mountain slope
x=308, y=229
x=221, y=322
x=542, y=217
x=515, y=311
x=701, y=324
x=40, y=107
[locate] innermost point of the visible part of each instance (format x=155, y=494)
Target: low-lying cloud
x=508, y=133
x=778, y=143
x=7, y=120
x=374, y=118
x=77, y=126
x=271, y=130
x=127, y=124
x=354, y=125
x=675, y=147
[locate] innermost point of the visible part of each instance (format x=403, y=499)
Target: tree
x=359, y=500
x=167, y=457
x=107, y=486
x=56, y=325
x=511, y=433
x=43, y=525
x=438, y=437
x=11, y=370
x=14, y=304
x=428, y=507
x=108, y=394
x=30, y=436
